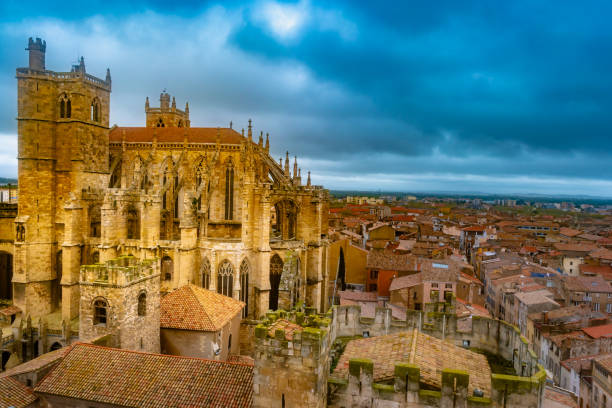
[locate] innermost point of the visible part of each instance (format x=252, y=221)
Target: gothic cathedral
x=210, y=205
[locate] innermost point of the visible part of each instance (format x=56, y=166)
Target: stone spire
x=108, y=76
x=231, y=124
x=308, y=181
x=267, y=142
x=261, y=139
x=250, y=130
x=187, y=108
x=287, y=165
x=173, y=103
x=295, y=167
x=147, y=103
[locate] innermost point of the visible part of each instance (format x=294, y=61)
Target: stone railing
x=66, y=76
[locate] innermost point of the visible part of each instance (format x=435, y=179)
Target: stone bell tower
x=62, y=149
x=167, y=115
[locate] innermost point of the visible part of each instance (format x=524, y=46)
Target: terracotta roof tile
x=15, y=394
x=432, y=355
x=358, y=296
x=9, y=310
x=128, y=378
x=194, y=308
x=389, y=261
x=174, y=135
x=599, y=331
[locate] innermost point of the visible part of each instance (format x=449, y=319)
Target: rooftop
x=432, y=355
x=128, y=378
x=597, y=332
x=175, y=135
x=389, y=261
x=194, y=308
x=15, y=394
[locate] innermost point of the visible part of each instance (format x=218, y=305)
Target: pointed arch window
x=115, y=179
x=95, y=221
x=276, y=270
x=225, y=278
x=142, y=304
x=95, y=110
x=205, y=272
x=133, y=223
x=167, y=267
x=229, y=192
x=160, y=123
x=244, y=286
x=65, y=107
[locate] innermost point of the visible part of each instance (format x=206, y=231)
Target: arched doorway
x=56, y=346
x=276, y=270
x=6, y=275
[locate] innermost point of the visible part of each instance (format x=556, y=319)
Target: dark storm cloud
x=511, y=96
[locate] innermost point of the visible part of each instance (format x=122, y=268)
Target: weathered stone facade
x=210, y=204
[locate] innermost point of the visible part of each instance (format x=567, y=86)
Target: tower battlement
x=122, y=271
x=37, y=53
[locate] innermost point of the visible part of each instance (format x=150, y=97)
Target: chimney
x=37, y=54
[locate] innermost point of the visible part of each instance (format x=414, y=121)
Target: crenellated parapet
x=119, y=272
x=292, y=360
x=405, y=389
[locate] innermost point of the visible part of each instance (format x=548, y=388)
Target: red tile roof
x=146, y=380
x=475, y=228
x=15, y=394
x=569, y=232
x=194, y=308
x=599, y=331
x=358, y=296
x=9, y=310
x=174, y=135
x=602, y=253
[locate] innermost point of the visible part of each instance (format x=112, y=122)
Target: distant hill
x=4, y=180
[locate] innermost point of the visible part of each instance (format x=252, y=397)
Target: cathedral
x=209, y=205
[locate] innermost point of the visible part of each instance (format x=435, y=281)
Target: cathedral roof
x=174, y=135
x=135, y=379
x=194, y=308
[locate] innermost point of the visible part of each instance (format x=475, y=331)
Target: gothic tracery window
x=205, y=270
x=225, y=278
x=160, y=123
x=65, y=107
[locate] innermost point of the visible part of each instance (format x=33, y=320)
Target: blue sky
x=501, y=97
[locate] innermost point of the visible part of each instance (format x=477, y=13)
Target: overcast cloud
x=510, y=97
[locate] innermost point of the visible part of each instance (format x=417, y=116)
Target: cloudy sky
x=502, y=97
